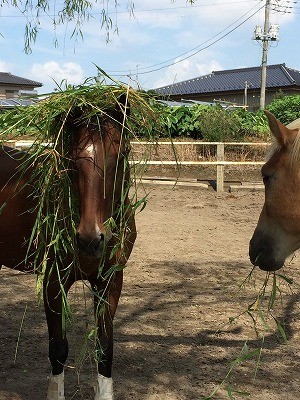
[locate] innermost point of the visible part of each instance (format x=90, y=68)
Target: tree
x=76, y=11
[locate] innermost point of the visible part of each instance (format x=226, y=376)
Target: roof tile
x=220, y=81
x=6, y=78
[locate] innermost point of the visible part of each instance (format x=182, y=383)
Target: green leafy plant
x=183, y=121
x=253, y=124
x=210, y=123
x=286, y=109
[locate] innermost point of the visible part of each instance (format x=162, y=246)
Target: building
x=240, y=86
x=15, y=90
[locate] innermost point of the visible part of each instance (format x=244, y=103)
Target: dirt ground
x=171, y=338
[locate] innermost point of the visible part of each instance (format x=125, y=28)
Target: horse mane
x=295, y=151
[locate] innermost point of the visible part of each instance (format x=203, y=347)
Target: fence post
x=220, y=168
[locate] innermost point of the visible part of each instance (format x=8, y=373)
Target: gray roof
x=187, y=103
x=11, y=103
x=6, y=78
x=278, y=76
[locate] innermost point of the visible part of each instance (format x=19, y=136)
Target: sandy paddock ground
x=171, y=338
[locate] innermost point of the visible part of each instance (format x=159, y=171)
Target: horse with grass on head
x=277, y=234
x=66, y=215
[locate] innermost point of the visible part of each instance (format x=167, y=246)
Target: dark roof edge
x=188, y=80
x=22, y=81
x=285, y=71
x=225, y=71
x=222, y=71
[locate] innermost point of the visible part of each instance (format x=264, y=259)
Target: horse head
x=277, y=234
x=99, y=152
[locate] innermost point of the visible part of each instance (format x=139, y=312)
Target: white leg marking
x=56, y=389
x=104, y=388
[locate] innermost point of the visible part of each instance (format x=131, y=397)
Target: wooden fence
x=220, y=162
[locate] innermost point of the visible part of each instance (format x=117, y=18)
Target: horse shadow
x=172, y=336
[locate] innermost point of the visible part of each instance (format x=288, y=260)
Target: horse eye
x=125, y=152
x=266, y=179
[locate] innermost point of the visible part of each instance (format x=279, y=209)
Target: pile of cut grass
x=43, y=121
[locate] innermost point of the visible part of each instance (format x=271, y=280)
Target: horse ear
x=282, y=134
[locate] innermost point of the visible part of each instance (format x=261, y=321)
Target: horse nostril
x=90, y=245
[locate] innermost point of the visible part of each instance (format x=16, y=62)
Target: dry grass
x=197, y=152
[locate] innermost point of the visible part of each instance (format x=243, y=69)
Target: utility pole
x=265, y=43
x=269, y=33
x=246, y=94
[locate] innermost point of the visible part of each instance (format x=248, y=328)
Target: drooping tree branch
x=75, y=11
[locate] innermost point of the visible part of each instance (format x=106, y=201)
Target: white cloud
x=51, y=71
x=5, y=66
x=186, y=69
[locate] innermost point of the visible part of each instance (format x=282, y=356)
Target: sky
x=161, y=42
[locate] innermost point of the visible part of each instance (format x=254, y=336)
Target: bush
x=253, y=124
x=220, y=125
x=286, y=109
x=210, y=123
x=183, y=121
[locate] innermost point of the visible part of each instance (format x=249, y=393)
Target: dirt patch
x=180, y=289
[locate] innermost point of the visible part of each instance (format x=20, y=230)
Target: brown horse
x=99, y=175
x=277, y=234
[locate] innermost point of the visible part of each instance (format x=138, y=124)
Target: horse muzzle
x=262, y=253
x=92, y=246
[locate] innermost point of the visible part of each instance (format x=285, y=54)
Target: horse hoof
x=56, y=387
x=104, y=388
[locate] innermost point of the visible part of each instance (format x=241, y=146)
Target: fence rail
x=220, y=162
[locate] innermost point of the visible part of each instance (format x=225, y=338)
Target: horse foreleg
x=58, y=343
x=56, y=387
x=104, y=313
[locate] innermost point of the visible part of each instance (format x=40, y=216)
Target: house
x=15, y=90
x=240, y=86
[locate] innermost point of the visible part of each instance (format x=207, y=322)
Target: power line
x=189, y=51
x=127, y=72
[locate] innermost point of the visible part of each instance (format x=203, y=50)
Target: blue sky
x=164, y=42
